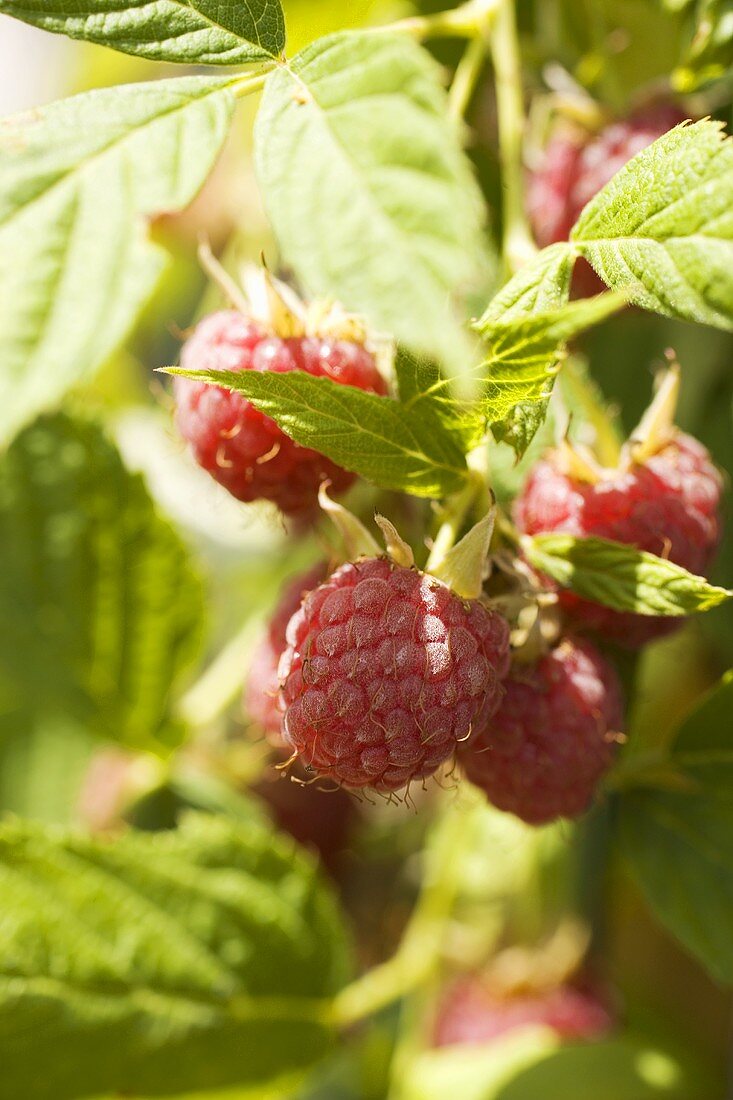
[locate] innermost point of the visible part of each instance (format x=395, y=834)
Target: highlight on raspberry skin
x=386, y=673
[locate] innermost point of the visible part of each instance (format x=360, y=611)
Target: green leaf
x=542, y=285
x=194, y=32
x=100, y=606
x=526, y=353
x=424, y=392
x=679, y=842
x=164, y=806
x=162, y=963
x=367, y=188
x=621, y=577
x=79, y=182
x=529, y=1064
x=708, y=726
x=662, y=229
x=376, y=437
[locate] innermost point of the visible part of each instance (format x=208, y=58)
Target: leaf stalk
x=467, y=21
x=518, y=245
x=456, y=510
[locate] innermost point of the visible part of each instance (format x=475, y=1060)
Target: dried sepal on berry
x=465, y=566
x=357, y=541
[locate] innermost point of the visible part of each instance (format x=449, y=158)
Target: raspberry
x=244, y=450
x=668, y=505
x=572, y=172
x=546, y=748
x=471, y=1013
x=260, y=697
x=386, y=672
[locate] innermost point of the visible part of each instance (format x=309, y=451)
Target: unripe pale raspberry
x=387, y=671
x=244, y=450
x=552, y=738
x=261, y=691
x=668, y=505
x=471, y=1012
x=573, y=171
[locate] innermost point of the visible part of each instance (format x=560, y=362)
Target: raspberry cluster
x=244, y=450
x=379, y=674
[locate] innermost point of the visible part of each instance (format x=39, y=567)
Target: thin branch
x=518, y=245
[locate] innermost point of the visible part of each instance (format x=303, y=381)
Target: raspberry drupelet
x=387, y=671
x=552, y=739
x=244, y=450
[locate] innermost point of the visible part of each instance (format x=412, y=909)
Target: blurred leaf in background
x=192, y=959
x=102, y=607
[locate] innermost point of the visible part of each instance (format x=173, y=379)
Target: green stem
x=420, y=952
x=248, y=85
x=518, y=245
x=466, y=78
x=454, y=514
x=464, y=22
x=221, y=683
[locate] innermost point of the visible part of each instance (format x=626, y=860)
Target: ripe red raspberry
x=471, y=1013
x=386, y=672
x=551, y=740
x=261, y=691
x=573, y=171
x=244, y=450
x=667, y=505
